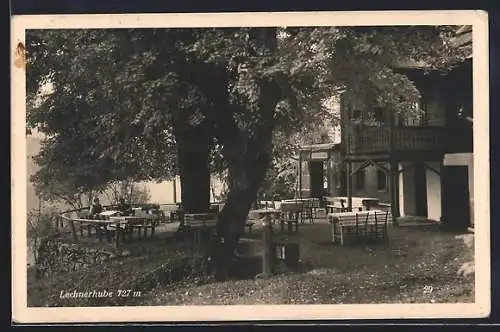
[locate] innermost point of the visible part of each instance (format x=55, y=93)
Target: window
x=356, y=114
x=378, y=114
x=360, y=179
x=414, y=117
x=381, y=180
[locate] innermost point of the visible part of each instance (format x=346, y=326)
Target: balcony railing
x=378, y=139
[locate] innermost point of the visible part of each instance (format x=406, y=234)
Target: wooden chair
x=290, y=215
x=307, y=212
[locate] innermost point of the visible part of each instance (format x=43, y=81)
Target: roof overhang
x=319, y=147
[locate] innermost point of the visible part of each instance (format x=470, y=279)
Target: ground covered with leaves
x=419, y=265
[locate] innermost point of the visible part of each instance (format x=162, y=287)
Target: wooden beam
x=378, y=166
x=365, y=164
x=370, y=163
x=402, y=170
x=300, y=176
x=349, y=185
x=393, y=179
x=432, y=169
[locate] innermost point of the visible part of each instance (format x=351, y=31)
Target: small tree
x=128, y=190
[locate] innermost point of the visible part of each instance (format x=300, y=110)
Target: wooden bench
x=367, y=224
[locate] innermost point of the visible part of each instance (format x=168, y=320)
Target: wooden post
x=349, y=185
x=267, y=252
x=73, y=230
x=117, y=235
x=300, y=174
x=394, y=190
x=174, y=183
x=393, y=170
x=443, y=218
x=154, y=222
x=347, y=138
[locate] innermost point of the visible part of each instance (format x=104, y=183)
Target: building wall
x=305, y=185
x=433, y=191
x=401, y=187
x=336, y=172
x=407, y=191
x=371, y=184
x=408, y=205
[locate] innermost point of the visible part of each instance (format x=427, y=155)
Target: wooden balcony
x=405, y=139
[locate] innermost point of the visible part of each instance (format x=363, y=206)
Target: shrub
x=41, y=225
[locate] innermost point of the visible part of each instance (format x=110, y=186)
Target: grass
x=418, y=266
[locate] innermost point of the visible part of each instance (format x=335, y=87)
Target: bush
x=41, y=225
x=141, y=274
x=150, y=206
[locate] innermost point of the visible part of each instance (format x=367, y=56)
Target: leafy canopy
x=117, y=94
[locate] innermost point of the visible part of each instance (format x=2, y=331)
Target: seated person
x=96, y=207
x=124, y=208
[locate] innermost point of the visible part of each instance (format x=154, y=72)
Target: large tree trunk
x=245, y=177
x=248, y=157
x=248, y=160
x=193, y=148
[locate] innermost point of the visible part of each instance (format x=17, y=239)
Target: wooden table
x=109, y=213
x=306, y=199
x=308, y=208
x=358, y=203
x=354, y=219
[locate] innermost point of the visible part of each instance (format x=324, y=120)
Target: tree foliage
x=118, y=90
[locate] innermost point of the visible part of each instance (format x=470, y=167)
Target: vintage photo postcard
x=250, y=166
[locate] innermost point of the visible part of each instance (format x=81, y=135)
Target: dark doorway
x=420, y=190
x=317, y=173
x=455, y=197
